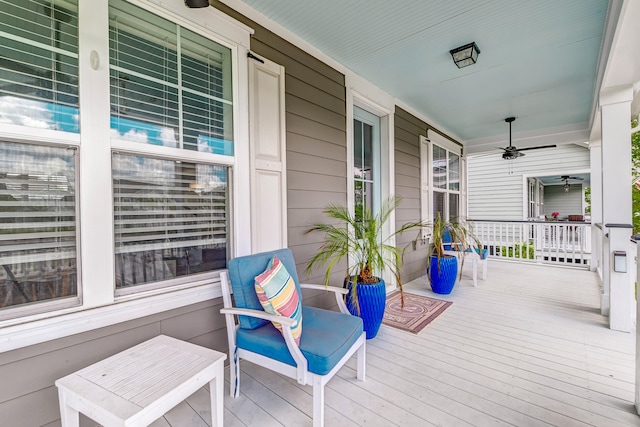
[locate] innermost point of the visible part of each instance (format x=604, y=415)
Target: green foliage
x=523, y=251
x=359, y=237
x=587, y=201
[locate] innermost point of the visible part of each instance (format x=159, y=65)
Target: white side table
x=141, y=384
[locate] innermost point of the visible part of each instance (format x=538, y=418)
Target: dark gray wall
x=407, y=130
x=28, y=396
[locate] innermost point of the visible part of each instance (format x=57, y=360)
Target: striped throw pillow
x=278, y=295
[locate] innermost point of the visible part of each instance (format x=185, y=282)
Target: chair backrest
x=576, y=217
x=242, y=273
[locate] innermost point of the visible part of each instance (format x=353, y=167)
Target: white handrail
x=554, y=242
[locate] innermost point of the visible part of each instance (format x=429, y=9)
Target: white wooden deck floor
x=528, y=347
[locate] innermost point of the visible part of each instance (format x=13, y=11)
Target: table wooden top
x=141, y=375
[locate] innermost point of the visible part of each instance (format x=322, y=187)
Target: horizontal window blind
x=171, y=218
x=37, y=223
x=39, y=64
x=169, y=85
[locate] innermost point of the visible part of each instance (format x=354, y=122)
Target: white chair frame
x=298, y=372
x=475, y=260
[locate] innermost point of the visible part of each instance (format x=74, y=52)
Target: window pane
x=439, y=167
x=454, y=210
x=38, y=223
x=171, y=219
x=152, y=86
x=454, y=172
x=358, y=152
x=438, y=204
x=39, y=66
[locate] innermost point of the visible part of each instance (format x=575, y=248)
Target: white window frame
x=363, y=94
x=99, y=307
x=426, y=177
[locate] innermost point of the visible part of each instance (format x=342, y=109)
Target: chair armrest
x=286, y=321
x=338, y=292
x=324, y=288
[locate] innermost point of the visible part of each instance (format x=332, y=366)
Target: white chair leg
x=318, y=402
x=474, y=264
x=234, y=375
x=361, y=362
x=484, y=269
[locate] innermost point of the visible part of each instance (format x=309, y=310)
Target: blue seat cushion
x=242, y=273
x=326, y=337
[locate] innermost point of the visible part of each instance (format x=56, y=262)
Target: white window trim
x=99, y=307
x=365, y=95
x=426, y=175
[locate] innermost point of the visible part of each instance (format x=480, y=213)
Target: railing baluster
x=565, y=243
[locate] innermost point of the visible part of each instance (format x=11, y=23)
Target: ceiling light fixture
x=566, y=187
x=196, y=3
x=465, y=55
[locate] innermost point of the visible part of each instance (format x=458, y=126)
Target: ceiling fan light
x=196, y=3
x=465, y=55
x=566, y=187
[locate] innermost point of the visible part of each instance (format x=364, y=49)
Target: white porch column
x=595, y=153
x=615, y=109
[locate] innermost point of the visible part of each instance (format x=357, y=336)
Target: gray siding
x=565, y=203
x=316, y=136
x=407, y=177
x=495, y=186
x=28, y=396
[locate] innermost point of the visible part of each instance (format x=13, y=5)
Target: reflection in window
x=39, y=64
x=37, y=223
x=169, y=86
x=363, y=166
x=171, y=219
x=439, y=167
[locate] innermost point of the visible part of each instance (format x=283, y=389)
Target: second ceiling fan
x=512, y=152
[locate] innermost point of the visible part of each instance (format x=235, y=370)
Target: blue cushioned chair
x=328, y=340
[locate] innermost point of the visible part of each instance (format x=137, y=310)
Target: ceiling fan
x=566, y=179
x=512, y=152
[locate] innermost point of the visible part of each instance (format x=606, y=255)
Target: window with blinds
x=37, y=223
x=171, y=218
x=39, y=64
x=169, y=85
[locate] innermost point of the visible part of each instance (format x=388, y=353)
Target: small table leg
x=69, y=417
x=216, y=391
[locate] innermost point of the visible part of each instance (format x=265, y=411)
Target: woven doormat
x=417, y=313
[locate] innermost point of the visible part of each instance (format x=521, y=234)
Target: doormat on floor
x=417, y=313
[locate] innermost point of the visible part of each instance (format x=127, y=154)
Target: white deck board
x=527, y=347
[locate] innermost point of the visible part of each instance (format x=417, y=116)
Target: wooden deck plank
x=527, y=347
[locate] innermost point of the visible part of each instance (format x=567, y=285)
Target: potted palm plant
x=358, y=238
x=448, y=237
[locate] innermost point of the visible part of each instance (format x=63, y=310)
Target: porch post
x=615, y=110
x=595, y=153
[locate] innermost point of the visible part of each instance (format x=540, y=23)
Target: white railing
x=554, y=242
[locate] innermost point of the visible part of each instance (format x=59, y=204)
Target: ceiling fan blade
x=537, y=148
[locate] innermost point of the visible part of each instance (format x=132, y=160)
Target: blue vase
x=442, y=279
x=371, y=300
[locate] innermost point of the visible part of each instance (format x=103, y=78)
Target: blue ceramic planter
x=371, y=300
x=442, y=279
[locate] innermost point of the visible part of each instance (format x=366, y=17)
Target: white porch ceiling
x=538, y=61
